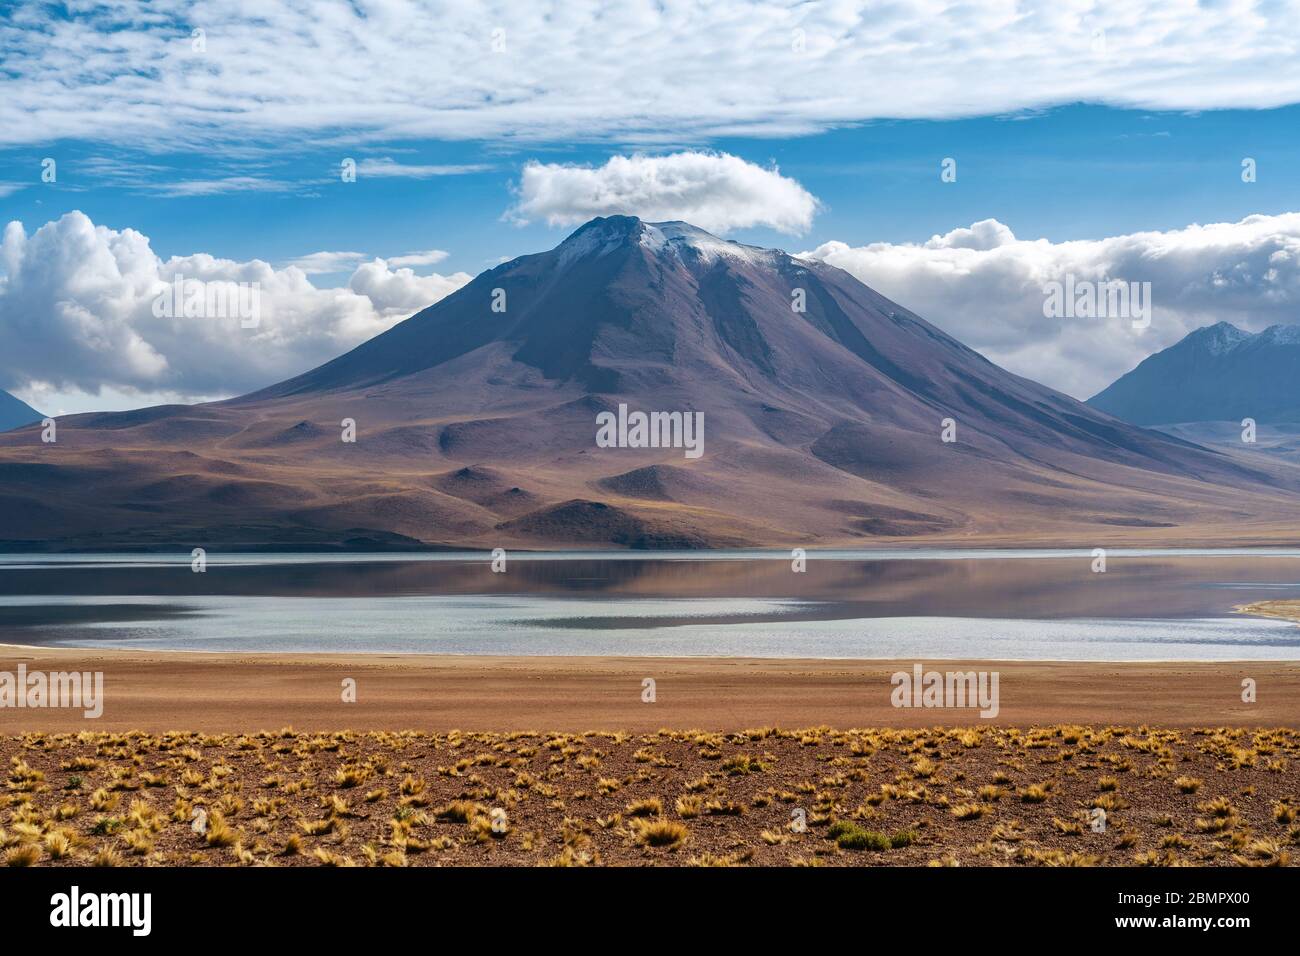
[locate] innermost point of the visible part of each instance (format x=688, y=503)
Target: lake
x=1026, y=604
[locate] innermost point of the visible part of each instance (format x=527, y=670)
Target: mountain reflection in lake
x=1015, y=604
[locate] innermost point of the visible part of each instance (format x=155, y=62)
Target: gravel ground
x=872, y=797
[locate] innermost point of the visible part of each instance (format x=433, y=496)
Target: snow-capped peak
x=1222, y=337
x=676, y=236
x=597, y=238
x=679, y=239
x=1281, y=335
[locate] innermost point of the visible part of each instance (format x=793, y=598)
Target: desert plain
x=224, y=759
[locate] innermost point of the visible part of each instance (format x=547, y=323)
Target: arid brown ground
x=983, y=796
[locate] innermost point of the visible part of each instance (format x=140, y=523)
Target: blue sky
x=1102, y=139
x=1072, y=172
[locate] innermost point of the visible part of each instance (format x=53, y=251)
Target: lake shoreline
x=939, y=549
x=1284, y=610
x=245, y=693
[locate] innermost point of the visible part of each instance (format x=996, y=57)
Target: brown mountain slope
x=478, y=427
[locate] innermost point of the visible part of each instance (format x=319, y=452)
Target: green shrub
x=903, y=838
x=849, y=836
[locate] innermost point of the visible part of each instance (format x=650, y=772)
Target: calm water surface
x=1153, y=604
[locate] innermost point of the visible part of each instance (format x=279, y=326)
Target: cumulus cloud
x=634, y=70
x=983, y=235
x=987, y=288
x=80, y=311
x=715, y=191
x=401, y=291
x=325, y=262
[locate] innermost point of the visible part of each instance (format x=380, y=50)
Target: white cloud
x=223, y=184
x=983, y=235
x=400, y=291
x=633, y=71
x=428, y=257
x=388, y=168
x=986, y=288
x=324, y=263
x=77, y=313
x=715, y=191
x=49, y=400
x=327, y=263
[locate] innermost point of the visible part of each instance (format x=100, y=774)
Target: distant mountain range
x=14, y=412
x=824, y=406
x=1216, y=374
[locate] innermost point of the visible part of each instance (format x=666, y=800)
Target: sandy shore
x=158, y=691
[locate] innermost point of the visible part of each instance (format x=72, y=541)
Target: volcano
x=1218, y=373
x=829, y=416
